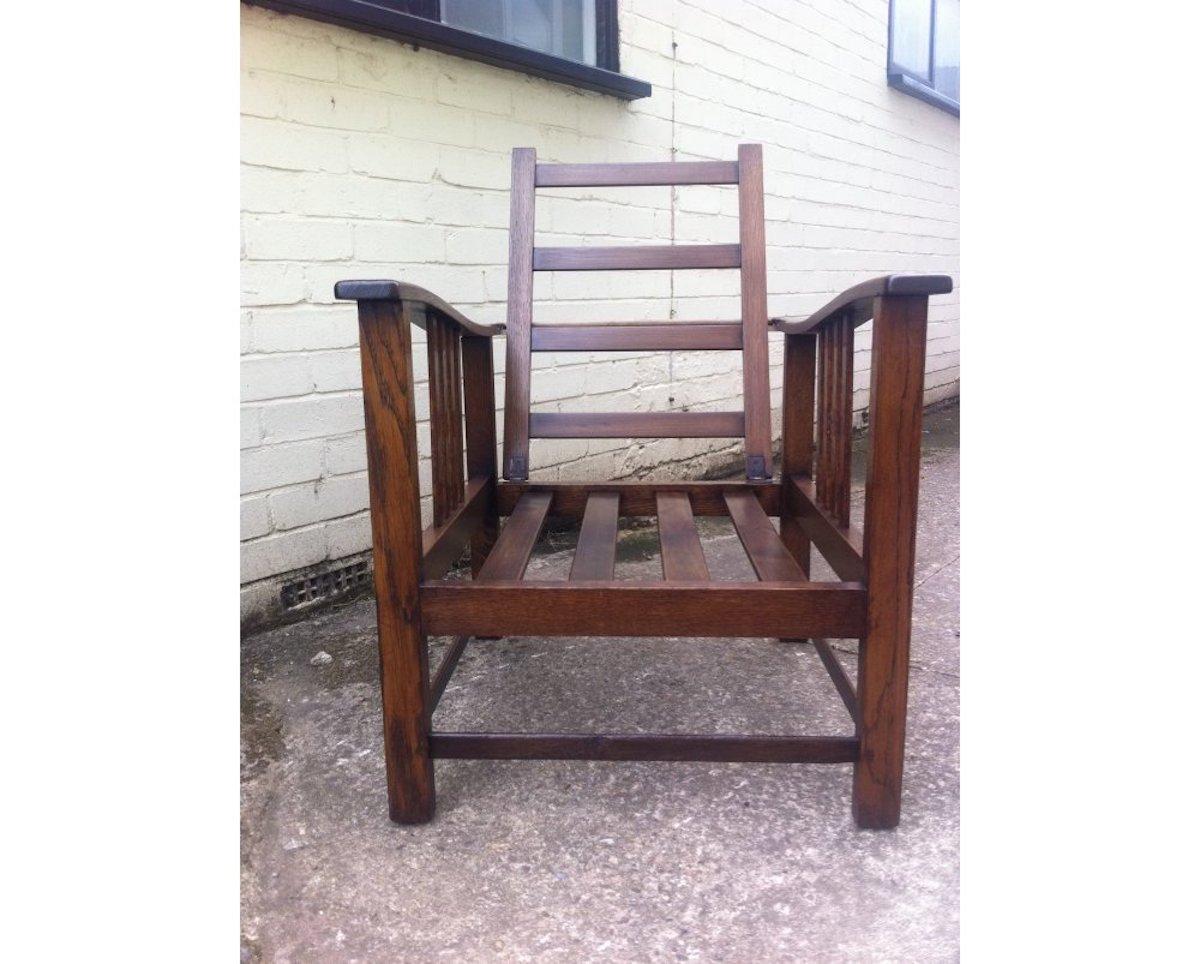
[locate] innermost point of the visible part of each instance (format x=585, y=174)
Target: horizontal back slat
x=636, y=424
x=675, y=336
x=637, y=175
x=638, y=257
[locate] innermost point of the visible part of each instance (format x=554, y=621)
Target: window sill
x=387, y=22
x=908, y=85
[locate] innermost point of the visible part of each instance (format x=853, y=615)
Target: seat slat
x=638, y=257
x=596, y=551
x=637, y=175
x=674, y=336
x=769, y=556
x=510, y=554
x=682, y=557
x=635, y=424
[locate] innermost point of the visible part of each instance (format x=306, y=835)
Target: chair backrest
x=749, y=334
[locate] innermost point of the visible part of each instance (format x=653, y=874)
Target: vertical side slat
x=799, y=371
x=845, y=416
x=479, y=403
x=445, y=417
x=823, y=441
x=679, y=543
x=755, y=370
x=596, y=551
x=386, y=347
x=520, y=315
x=889, y=550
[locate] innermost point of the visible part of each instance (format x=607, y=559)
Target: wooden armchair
x=871, y=603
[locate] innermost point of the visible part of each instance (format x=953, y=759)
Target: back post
x=385, y=337
x=520, y=315
x=889, y=553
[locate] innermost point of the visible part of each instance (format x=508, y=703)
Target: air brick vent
x=326, y=585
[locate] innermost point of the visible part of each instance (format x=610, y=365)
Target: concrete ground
x=576, y=861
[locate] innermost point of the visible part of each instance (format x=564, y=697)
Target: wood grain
x=635, y=424
x=674, y=336
x=386, y=348
x=769, y=556
x=799, y=394
x=889, y=549
x=669, y=747
x=638, y=257
x=479, y=407
x=520, y=315
x=596, y=550
x=756, y=382
x=510, y=554
x=638, y=498
x=679, y=543
x=703, y=609
x=637, y=175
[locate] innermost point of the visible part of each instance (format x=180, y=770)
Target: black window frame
x=419, y=22
x=903, y=79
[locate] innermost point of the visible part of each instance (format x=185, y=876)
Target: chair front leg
x=889, y=549
x=385, y=336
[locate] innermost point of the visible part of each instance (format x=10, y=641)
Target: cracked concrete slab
x=578, y=861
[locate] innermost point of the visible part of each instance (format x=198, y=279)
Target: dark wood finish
x=861, y=300
x=666, y=747
x=520, y=534
x=445, y=419
x=446, y=669
x=799, y=396
x=679, y=543
x=637, y=257
x=385, y=20
x=835, y=417
x=889, y=549
x=842, y=546
x=769, y=556
x=673, y=336
x=756, y=382
x=638, y=498
x=873, y=604
x=841, y=682
x=424, y=302
x=706, y=609
x=596, y=551
x=520, y=315
x=385, y=341
x=442, y=546
x=637, y=175
x=479, y=405
x=635, y=424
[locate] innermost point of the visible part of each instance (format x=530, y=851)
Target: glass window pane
x=945, y=49
x=910, y=35
x=565, y=28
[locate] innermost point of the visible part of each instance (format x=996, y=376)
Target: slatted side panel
x=445, y=416
x=835, y=410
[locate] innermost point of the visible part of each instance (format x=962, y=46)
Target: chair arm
x=398, y=291
x=860, y=300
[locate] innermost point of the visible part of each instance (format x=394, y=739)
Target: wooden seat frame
x=811, y=497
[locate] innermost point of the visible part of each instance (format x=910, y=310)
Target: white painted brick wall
x=364, y=158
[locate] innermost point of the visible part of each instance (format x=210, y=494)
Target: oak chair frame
x=811, y=497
